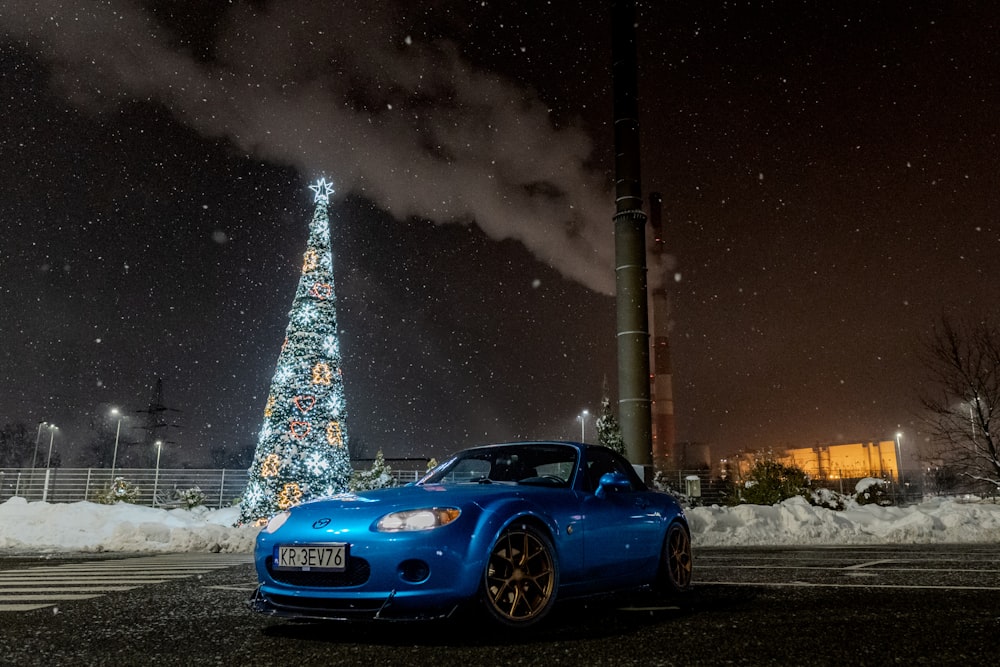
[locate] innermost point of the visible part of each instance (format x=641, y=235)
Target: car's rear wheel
x=521, y=577
x=675, y=560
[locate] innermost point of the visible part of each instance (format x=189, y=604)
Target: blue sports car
x=510, y=527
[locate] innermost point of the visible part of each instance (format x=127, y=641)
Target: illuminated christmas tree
x=302, y=449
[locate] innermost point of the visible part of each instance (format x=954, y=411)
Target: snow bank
x=88, y=527
x=795, y=521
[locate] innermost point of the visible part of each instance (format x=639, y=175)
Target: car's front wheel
x=521, y=577
x=675, y=560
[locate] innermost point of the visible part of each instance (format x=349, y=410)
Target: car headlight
x=277, y=521
x=423, y=519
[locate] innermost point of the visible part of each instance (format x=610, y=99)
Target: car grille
x=357, y=572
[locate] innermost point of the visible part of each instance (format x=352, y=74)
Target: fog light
x=414, y=571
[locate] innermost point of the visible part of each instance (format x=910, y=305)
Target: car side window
x=601, y=461
x=469, y=470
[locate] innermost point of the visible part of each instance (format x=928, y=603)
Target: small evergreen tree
x=609, y=431
x=871, y=491
x=119, y=491
x=378, y=477
x=770, y=482
x=190, y=498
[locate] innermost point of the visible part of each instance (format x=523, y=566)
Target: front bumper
x=408, y=577
x=387, y=608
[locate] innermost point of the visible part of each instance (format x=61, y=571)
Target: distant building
x=692, y=456
x=846, y=461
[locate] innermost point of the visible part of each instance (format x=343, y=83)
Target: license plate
x=311, y=557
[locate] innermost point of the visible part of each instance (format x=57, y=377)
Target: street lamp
x=583, y=425
x=156, y=476
x=52, y=434
x=38, y=437
x=973, y=409
x=114, y=457
x=899, y=462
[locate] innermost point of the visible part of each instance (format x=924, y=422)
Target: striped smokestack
x=630, y=243
x=664, y=432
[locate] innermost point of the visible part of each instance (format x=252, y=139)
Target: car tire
x=675, y=560
x=521, y=577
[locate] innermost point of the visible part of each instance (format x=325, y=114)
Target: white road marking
x=69, y=589
x=871, y=563
x=23, y=607
x=41, y=586
x=245, y=588
x=851, y=564
x=47, y=597
x=807, y=584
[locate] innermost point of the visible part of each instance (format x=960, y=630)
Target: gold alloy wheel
x=679, y=557
x=520, y=576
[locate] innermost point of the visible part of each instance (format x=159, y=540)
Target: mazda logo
x=321, y=523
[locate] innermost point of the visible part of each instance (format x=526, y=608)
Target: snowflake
x=254, y=494
x=283, y=376
x=307, y=314
x=331, y=346
x=316, y=464
x=265, y=431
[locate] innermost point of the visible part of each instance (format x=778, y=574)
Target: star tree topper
x=322, y=189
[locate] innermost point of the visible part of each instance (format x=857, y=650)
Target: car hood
x=347, y=513
x=416, y=497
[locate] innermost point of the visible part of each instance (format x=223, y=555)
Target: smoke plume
x=340, y=89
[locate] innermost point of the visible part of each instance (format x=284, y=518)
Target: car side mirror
x=613, y=482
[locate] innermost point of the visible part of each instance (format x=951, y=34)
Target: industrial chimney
x=630, y=243
x=664, y=430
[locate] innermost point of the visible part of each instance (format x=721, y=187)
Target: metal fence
x=699, y=487
x=156, y=487
x=221, y=488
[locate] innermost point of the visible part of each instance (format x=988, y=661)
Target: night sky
x=830, y=177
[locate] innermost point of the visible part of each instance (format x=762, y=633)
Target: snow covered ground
x=795, y=521
x=86, y=526
x=90, y=527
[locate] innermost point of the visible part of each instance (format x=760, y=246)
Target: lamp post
x=52, y=434
x=973, y=410
x=899, y=462
x=156, y=476
x=38, y=437
x=118, y=431
x=583, y=425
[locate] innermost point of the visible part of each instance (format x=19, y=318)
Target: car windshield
x=533, y=464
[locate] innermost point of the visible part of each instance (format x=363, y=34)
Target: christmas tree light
x=302, y=448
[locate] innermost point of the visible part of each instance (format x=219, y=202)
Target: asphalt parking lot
x=750, y=606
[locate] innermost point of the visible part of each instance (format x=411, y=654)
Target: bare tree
x=15, y=446
x=962, y=397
